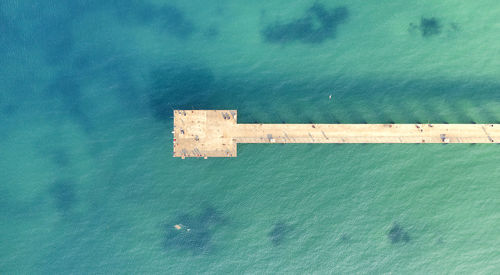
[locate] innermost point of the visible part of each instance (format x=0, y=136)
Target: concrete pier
x=216, y=133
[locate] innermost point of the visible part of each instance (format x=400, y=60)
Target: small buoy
x=330, y=97
x=178, y=227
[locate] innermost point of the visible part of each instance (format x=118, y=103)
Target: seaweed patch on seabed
x=316, y=26
x=60, y=157
x=175, y=22
x=279, y=233
x=169, y=18
x=193, y=232
x=9, y=109
x=63, y=194
x=178, y=87
x=69, y=93
x=211, y=32
x=9, y=31
x=50, y=29
x=344, y=237
x=428, y=26
x=398, y=235
x=58, y=38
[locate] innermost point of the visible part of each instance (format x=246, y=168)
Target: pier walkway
x=216, y=133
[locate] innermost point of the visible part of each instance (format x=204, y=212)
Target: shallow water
x=89, y=184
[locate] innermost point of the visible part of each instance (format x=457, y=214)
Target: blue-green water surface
x=89, y=184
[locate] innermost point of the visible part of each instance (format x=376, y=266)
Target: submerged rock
x=427, y=27
x=64, y=195
x=430, y=26
x=174, y=21
x=68, y=90
x=317, y=25
x=398, y=235
x=279, y=233
x=193, y=232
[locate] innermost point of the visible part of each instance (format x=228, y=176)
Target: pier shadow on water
x=317, y=25
x=193, y=232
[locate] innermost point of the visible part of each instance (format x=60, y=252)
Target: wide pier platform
x=216, y=133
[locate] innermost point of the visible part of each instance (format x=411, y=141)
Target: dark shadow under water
x=64, y=195
x=67, y=89
x=193, y=232
x=178, y=87
x=317, y=25
x=279, y=233
x=398, y=235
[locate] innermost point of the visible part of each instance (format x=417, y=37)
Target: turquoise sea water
x=89, y=185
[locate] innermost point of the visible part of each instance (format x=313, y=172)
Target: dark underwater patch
x=193, y=233
x=63, y=194
x=316, y=26
x=178, y=87
x=398, y=235
x=43, y=26
x=174, y=21
x=9, y=109
x=68, y=91
x=60, y=157
x=132, y=11
x=56, y=38
x=50, y=29
x=168, y=18
x=429, y=26
x=279, y=233
x=53, y=25
x=344, y=237
x=9, y=32
x=211, y=32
